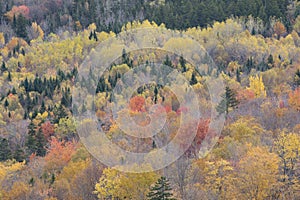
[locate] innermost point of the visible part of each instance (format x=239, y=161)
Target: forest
x=46, y=46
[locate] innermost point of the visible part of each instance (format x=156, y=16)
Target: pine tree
x=19, y=154
x=193, y=80
x=238, y=75
x=297, y=78
x=125, y=58
x=66, y=99
x=31, y=140
x=21, y=23
x=13, y=91
x=229, y=101
x=161, y=190
x=101, y=85
x=6, y=104
x=5, y=151
x=155, y=94
x=9, y=78
x=182, y=64
x=14, y=25
x=43, y=107
x=41, y=142
x=25, y=116
x=35, y=141
x=3, y=67
x=26, y=84
x=91, y=35
x=270, y=59
x=168, y=62
x=95, y=36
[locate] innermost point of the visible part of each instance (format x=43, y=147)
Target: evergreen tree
x=161, y=190
x=21, y=24
x=229, y=101
x=193, y=80
x=26, y=84
x=182, y=64
x=25, y=115
x=31, y=140
x=155, y=94
x=13, y=91
x=43, y=107
x=6, y=104
x=91, y=35
x=3, y=67
x=19, y=154
x=5, y=151
x=95, y=36
x=168, y=62
x=66, y=99
x=238, y=75
x=35, y=141
x=41, y=142
x=14, y=25
x=23, y=51
x=9, y=78
x=297, y=78
x=101, y=85
x=270, y=62
x=125, y=57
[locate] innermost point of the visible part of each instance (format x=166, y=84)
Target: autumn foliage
x=137, y=104
x=18, y=10
x=59, y=153
x=294, y=99
x=47, y=129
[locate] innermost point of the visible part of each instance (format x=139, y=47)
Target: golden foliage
x=257, y=85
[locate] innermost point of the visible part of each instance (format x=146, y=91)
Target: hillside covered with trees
x=75, y=15
x=255, y=46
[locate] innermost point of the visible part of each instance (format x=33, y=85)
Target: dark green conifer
x=229, y=101
x=161, y=190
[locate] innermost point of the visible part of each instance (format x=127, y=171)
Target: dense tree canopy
x=255, y=46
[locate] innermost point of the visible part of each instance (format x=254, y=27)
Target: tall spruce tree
x=3, y=67
x=9, y=78
x=297, y=78
x=229, y=101
x=5, y=151
x=21, y=24
x=161, y=190
x=193, y=80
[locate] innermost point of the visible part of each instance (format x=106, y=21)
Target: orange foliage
x=294, y=99
x=14, y=42
x=18, y=10
x=279, y=29
x=137, y=104
x=244, y=95
x=202, y=132
x=59, y=153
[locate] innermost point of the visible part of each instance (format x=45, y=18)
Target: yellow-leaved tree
x=287, y=146
x=257, y=85
x=114, y=184
x=218, y=179
x=108, y=185
x=7, y=170
x=256, y=175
